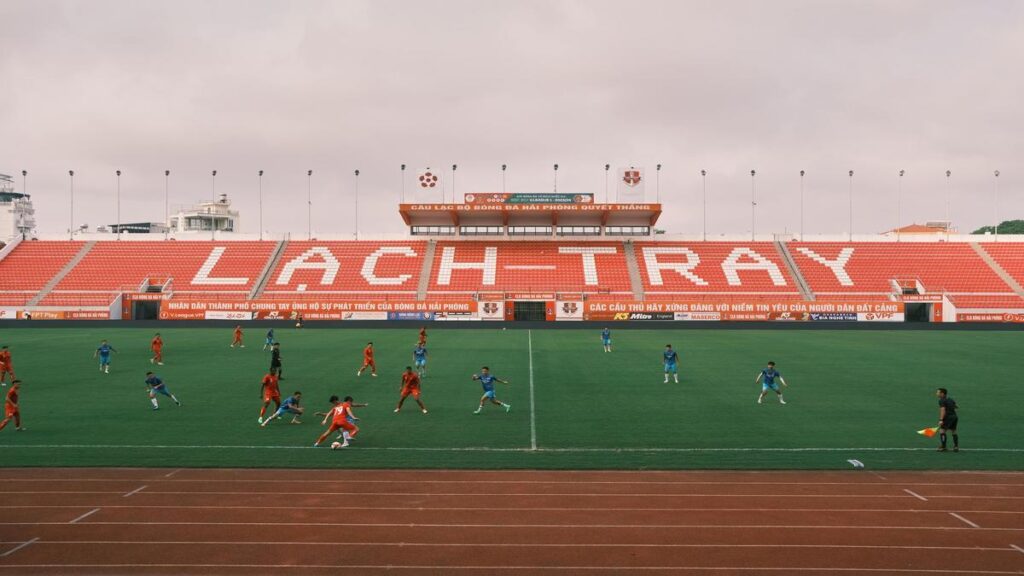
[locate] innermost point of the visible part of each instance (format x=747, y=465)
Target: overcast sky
x=287, y=86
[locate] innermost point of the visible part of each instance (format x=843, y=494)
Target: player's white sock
x=175, y=400
x=153, y=400
x=676, y=379
x=346, y=436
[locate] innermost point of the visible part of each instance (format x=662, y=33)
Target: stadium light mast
x=899, y=206
x=260, y=180
x=118, y=172
x=309, y=205
x=71, y=224
x=454, y=168
x=24, y=184
x=657, y=183
x=403, y=183
x=167, y=202
x=996, y=185
x=357, y=204
x=704, y=186
x=753, y=206
x=948, y=222
x=503, y=168
x=851, y=205
x=606, y=168
x=801, y=205
x=213, y=204
x=556, y=178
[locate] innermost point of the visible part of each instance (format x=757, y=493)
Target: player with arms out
x=154, y=385
x=368, y=361
x=606, y=339
x=487, y=380
x=947, y=419
x=342, y=418
x=6, y=365
x=289, y=406
x=269, y=391
x=766, y=377
x=12, y=410
x=671, y=358
x=157, y=346
x=237, y=340
x=410, y=386
x=103, y=351
x=419, y=357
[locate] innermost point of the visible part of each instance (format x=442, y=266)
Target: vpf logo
x=570, y=307
x=631, y=177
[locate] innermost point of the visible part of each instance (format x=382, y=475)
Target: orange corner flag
x=929, y=432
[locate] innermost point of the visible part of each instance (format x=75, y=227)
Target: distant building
x=17, y=217
x=206, y=216
x=936, y=227
x=139, y=228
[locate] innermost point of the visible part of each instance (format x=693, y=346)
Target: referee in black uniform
x=275, y=359
x=947, y=419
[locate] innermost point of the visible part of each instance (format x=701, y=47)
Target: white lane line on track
x=507, y=494
x=84, y=516
x=533, y=411
x=513, y=508
x=489, y=449
x=19, y=547
x=526, y=526
x=346, y=479
x=915, y=495
x=136, y=491
x=493, y=569
x=965, y=520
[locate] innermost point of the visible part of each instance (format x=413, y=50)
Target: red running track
x=189, y=521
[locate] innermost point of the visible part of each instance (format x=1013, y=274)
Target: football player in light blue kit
x=289, y=406
x=767, y=378
x=487, y=380
x=606, y=339
x=103, y=352
x=154, y=385
x=671, y=363
x=419, y=355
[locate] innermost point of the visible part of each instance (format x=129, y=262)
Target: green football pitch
x=853, y=395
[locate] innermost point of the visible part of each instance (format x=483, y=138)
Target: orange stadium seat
x=34, y=263
x=683, y=270
x=1010, y=256
x=357, y=269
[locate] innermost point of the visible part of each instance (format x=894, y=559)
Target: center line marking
x=19, y=547
x=965, y=520
x=915, y=495
x=533, y=419
x=84, y=516
x=136, y=491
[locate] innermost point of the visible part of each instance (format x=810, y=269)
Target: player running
x=671, y=363
x=103, y=352
x=237, y=340
x=6, y=365
x=767, y=378
x=419, y=357
x=423, y=337
x=269, y=342
x=410, y=386
x=157, y=346
x=270, y=391
x=154, y=385
x=368, y=361
x=487, y=380
x=289, y=406
x=606, y=339
x=11, y=407
x=342, y=419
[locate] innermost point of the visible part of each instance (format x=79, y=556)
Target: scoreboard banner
x=509, y=198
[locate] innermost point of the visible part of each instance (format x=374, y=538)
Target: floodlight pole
x=657, y=183
x=71, y=224
x=948, y=222
x=801, y=205
x=167, y=202
x=851, y=205
x=606, y=168
x=260, y=174
x=753, y=207
x=357, y=204
x=899, y=205
x=309, y=205
x=454, y=168
x=403, y=183
x=556, y=178
x=996, y=183
x=503, y=168
x=118, y=172
x=704, y=185
x=213, y=205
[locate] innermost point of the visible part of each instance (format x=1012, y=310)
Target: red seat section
x=34, y=263
x=987, y=302
x=193, y=266
x=529, y=266
x=869, y=267
x=354, y=268
x=712, y=267
x=1010, y=256
x=76, y=299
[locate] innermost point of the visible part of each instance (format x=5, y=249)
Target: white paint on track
x=136, y=491
x=84, y=516
x=915, y=495
x=965, y=520
x=19, y=547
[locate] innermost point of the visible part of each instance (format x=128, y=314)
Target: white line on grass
x=136, y=491
x=84, y=516
x=965, y=520
x=19, y=547
x=533, y=418
x=915, y=495
x=486, y=449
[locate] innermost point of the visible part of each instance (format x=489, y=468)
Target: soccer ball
x=335, y=445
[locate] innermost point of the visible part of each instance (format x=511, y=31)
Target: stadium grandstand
x=518, y=257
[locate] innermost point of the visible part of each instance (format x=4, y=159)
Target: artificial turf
x=853, y=395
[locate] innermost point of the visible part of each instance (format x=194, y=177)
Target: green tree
x=1005, y=227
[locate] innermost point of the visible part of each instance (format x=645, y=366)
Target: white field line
x=136, y=491
x=84, y=516
x=506, y=545
x=507, y=494
x=506, y=526
x=512, y=508
x=915, y=495
x=965, y=520
x=533, y=417
x=19, y=547
x=487, y=449
x=493, y=569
